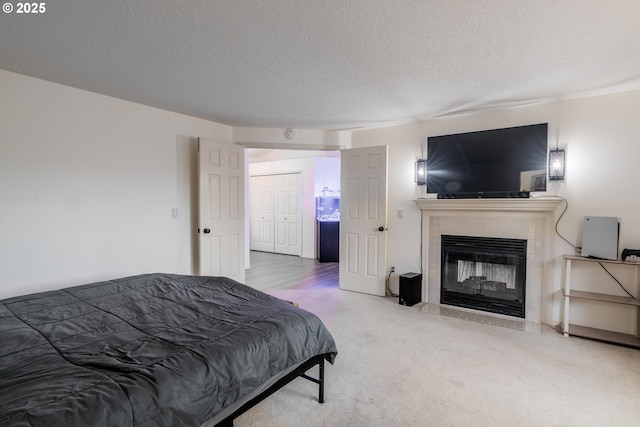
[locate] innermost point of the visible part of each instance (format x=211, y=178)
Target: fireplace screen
x=482, y=273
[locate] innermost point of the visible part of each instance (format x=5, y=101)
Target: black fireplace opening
x=484, y=273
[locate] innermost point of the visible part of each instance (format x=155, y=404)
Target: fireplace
x=528, y=219
x=484, y=273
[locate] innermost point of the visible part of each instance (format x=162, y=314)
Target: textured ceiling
x=328, y=64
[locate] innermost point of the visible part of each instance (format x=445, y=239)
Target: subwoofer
x=410, y=289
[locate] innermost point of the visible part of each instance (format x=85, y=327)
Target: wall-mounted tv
x=507, y=162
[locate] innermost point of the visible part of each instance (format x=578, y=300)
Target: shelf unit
x=598, y=334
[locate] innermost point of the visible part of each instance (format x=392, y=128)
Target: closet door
x=288, y=215
x=262, y=215
x=276, y=213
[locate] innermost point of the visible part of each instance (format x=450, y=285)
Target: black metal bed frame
x=300, y=371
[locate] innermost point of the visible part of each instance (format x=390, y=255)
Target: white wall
x=87, y=186
x=327, y=174
x=601, y=136
x=257, y=155
x=276, y=137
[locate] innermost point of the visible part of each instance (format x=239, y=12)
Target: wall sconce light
x=421, y=172
x=556, y=165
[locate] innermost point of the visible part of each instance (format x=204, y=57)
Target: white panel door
x=288, y=214
x=221, y=209
x=262, y=215
x=363, y=220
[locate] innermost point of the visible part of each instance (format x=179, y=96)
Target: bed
x=152, y=350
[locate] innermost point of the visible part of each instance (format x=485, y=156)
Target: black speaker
x=410, y=289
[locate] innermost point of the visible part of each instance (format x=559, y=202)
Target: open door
x=363, y=220
x=221, y=209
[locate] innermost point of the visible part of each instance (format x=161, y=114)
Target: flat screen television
x=507, y=162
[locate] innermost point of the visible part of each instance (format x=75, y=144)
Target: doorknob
x=207, y=231
x=381, y=228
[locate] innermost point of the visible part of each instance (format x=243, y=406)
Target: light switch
x=174, y=212
x=400, y=213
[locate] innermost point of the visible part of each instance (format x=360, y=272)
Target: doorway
x=317, y=169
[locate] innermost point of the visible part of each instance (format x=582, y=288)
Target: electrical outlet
x=393, y=269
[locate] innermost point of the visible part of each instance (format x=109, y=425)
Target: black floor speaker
x=410, y=289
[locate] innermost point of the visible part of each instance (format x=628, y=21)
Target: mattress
x=148, y=350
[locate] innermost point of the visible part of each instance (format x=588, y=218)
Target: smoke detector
x=290, y=133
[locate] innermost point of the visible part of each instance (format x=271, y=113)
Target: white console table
x=594, y=333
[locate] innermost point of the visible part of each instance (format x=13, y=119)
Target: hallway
x=270, y=271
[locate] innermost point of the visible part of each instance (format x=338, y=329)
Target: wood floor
x=271, y=271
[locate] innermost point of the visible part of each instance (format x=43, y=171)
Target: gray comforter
x=149, y=350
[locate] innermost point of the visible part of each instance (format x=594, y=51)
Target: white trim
x=507, y=205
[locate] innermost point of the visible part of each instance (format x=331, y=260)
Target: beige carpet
x=402, y=366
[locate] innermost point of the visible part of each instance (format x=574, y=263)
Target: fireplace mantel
x=530, y=219
x=507, y=205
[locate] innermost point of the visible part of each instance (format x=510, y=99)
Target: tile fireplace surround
x=528, y=219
